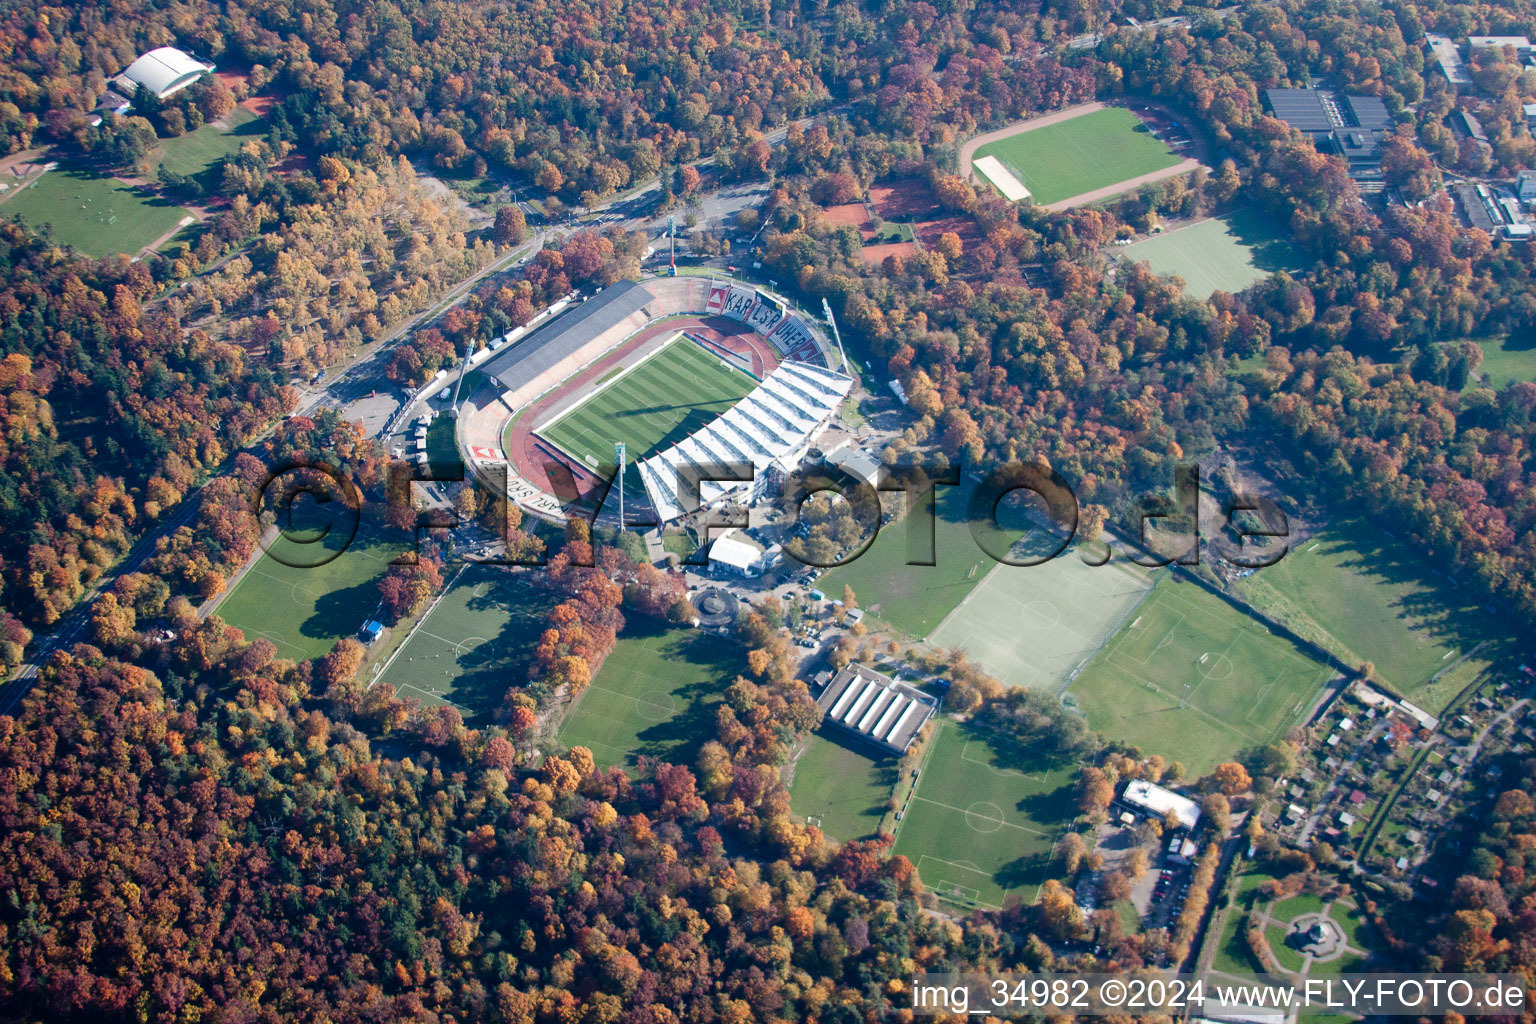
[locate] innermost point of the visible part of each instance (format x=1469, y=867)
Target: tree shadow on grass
x=885, y=768
x=1268, y=248
x=1450, y=611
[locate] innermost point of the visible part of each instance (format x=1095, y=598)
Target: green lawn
x=1220, y=254
x=1292, y=908
x=476, y=643
x=916, y=598
x=1090, y=152
x=443, y=459
x=981, y=832
x=1506, y=361
x=304, y=607
x=660, y=401
x=1232, y=953
x=97, y=216
x=1358, y=932
x=1193, y=679
x=656, y=694
x=197, y=151
x=839, y=782
x=1366, y=596
x=1289, y=958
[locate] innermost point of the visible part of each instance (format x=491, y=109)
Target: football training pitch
x=1366, y=596
x=98, y=216
x=657, y=402
x=979, y=832
x=1220, y=254
x=1093, y=151
x=475, y=643
x=302, y=607
x=1036, y=625
x=1195, y=680
x=839, y=787
x=655, y=694
x=916, y=598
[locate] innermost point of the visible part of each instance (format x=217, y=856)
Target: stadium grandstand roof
x=876, y=707
x=770, y=425
x=1149, y=796
x=544, y=348
x=164, y=71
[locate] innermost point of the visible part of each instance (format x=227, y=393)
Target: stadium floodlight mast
x=469, y=351
x=826, y=307
x=618, y=460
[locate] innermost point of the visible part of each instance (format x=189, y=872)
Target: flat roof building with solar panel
x=876, y=708
x=1349, y=126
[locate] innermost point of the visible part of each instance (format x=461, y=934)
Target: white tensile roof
x=164, y=71
x=738, y=554
x=776, y=419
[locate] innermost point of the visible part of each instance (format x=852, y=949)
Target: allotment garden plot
x=1195, y=680
x=981, y=833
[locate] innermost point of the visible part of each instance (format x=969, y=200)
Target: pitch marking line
x=962, y=812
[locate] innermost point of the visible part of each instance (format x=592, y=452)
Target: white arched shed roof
x=164, y=72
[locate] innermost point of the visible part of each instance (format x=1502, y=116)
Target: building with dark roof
x=1367, y=112
x=876, y=708
x=561, y=338
x=1352, y=126
x=1302, y=109
x=1474, y=209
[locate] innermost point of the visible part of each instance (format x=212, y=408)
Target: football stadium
x=691, y=375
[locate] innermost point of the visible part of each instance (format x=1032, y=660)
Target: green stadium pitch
x=981, y=832
x=1195, y=680
x=1083, y=154
x=474, y=643
x=655, y=403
